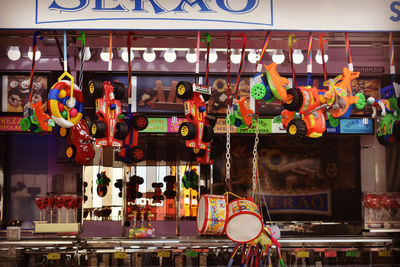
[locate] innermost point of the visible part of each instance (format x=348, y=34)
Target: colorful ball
x=73, y=112
x=61, y=106
x=62, y=94
x=64, y=114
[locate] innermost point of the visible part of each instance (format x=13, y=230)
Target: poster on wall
x=15, y=92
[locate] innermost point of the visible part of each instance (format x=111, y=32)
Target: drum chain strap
x=256, y=140
x=228, y=149
x=228, y=67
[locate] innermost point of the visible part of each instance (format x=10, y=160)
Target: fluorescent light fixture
x=170, y=55
x=13, y=53
x=49, y=247
x=235, y=56
x=149, y=55
x=253, y=57
x=87, y=55
x=118, y=248
x=297, y=56
x=124, y=54
x=134, y=246
x=318, y=57
x=62, y=248
x=151, y=247
x=37, y=55
x=105, y=54
x=191, y=55
x=278, y=57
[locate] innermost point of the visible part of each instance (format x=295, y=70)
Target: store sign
x=309, y=203
x=324, y=15
x=156, y=125
x=357, y=126
x=10, y=123
x=370, y=69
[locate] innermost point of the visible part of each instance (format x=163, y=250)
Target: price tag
x=384, y=253
x=353, y=253
x=191, y=253
x=303, y=254
x=53, y=256
x=330, y=254
x=120, y=255
x=164, y=254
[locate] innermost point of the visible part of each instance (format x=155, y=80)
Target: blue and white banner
x=306, y=15
x=357, y=126
x=318, y=203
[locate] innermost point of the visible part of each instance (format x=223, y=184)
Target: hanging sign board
x=325, y=15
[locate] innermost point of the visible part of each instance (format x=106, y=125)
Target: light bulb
x=105, y=54
x=37, y=55
x=278, y=57
x=297, y=56
x=13, y=53
x=170, y=55
x=149, y=55
x=191, y=55
x=213, y=56
x=235, y=56
x=87, y=55
x=318, y=57
x=124, y=54
x=253, y=57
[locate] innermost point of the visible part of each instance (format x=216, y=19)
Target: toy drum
x=244, y=222
x=211, y=215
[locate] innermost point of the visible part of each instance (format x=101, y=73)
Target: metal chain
x=228, y=67
x=256, y=140
x=228, y=149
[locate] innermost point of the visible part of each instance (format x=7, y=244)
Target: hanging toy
x=388, y=119
x=102, y=183
x=35, y=119
x=170, y=181
x=66, y=103
x=132, y=188
x=158, y=197
x=118, y=185
x=198, y=129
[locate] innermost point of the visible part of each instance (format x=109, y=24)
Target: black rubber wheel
x=297, y=128
x=187, y=131
x=96, y=88
x=208, y=133
x=98, y=129
x=121, y=130
x=169, y=179
x=296, y=102
x=170, y=194
x=184, y=90
x=63, y=132
x=137, y=153
x=140, y=122
x=206, y=97
x=396, y=130
x=136, y=179
x=119, y=90
x=154, y=185
x=211, y=120
x=198, y=152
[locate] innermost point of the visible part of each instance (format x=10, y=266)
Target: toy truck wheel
x=208, y=133
x=136, y=179
x=160, y=184
x=258, y=91
x=184, y=90
x=121, y=130
x=137, y=153
x=294, y=100
x=140, y=122
x=63, y=132
x=297, y=128
x=98, y=129
x=96, y=88
x=169, y=179
x=154, y=185
x=187, y=131
x=211, y=120
x=119, y=90
x=70, y=151
x=197, y=152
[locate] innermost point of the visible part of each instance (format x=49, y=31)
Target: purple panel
x=101, y=229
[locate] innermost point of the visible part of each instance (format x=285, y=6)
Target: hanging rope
x=266, y=41
x=392, y=67
x=83, y=41
x=198, y=56
x=290, y=41
x=321, y=45
x=34, y=44
x=110, y=54
x=309, y=59
x=239, y=72
x=348, y=52
x=207, y=56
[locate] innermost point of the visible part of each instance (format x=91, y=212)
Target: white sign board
x=306, y=15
